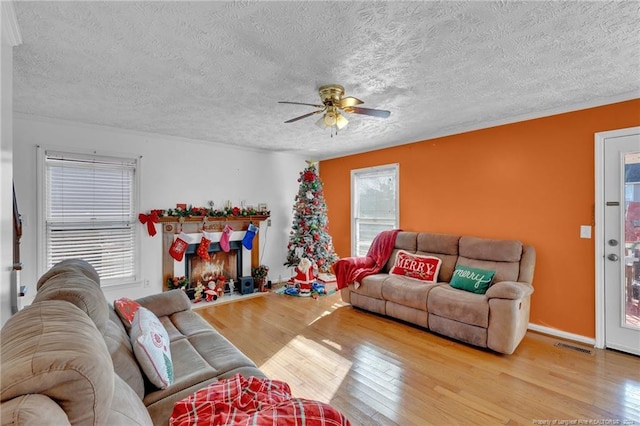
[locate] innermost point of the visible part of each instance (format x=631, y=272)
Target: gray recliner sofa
x=497, y=320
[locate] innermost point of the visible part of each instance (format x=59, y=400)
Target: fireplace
x=228, y=264
x=234, y=268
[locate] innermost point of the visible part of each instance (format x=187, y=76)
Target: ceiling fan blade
x=350, y=101
x=300, y=103
x=368, y=111
x=304, y=116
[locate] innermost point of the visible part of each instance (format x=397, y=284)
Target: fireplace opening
x=221, y=264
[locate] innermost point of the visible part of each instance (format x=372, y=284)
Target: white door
x=622, y=241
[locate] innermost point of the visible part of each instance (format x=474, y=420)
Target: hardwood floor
x=379, y=371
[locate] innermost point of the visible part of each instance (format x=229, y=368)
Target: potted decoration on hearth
x=259, y=274
x=181, y=283
x=177, y=282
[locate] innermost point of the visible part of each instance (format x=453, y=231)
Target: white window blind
x=90, y=213
x=374, y=204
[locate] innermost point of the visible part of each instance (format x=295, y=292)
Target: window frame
x=355, y=173
x=41, y=204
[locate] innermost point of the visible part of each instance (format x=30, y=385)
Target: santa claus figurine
x=304, y=277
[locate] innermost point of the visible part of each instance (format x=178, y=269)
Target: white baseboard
x=562, y=334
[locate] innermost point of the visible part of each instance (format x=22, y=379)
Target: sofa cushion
x=505, y=271
x=52, y=348
x=75, y=287
x=75, y=265
x=126, y=407
x=151, y=347
x=371, y=285
x=443, y=246
x=438, y=243
x=185, y=324
x=418, y=267
x=189, y=367
x=488, y=249
x=404, y=241
x=475, y=280
x=462, y=306
x=404, y=291
x=166, y=303
x=124, y=361
x=221, y=354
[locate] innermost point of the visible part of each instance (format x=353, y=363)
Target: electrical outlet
x=145, y=284
x=268, y=222
x=585, y=231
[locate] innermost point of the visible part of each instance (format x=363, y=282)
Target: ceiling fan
x=333, y=103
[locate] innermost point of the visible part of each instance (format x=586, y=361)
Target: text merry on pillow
x=423, y=268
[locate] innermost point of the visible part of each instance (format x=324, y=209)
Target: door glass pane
x=632, y=239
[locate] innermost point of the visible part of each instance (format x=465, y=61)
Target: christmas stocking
x=224, y=239
x=247, y=241
x=203, y=248
x=179, y=246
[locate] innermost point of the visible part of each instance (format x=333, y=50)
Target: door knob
x=613, y=257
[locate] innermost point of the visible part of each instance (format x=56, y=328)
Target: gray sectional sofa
x=67, y=358
x=497, y=319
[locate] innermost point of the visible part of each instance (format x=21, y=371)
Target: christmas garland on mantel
x=194, y=212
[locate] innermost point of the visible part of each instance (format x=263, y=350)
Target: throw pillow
x=126, y=309
x=150, y=343
x=423, y=268
x=475, y=280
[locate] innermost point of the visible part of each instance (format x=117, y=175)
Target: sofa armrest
x=33, y=409
x=509, y=290
x=166, y=303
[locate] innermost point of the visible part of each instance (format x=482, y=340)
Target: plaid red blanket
x=252, y=401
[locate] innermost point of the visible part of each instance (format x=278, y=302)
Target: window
x=89, y=205
x=374, y=196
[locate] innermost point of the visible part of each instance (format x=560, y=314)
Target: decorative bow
x=150, y=220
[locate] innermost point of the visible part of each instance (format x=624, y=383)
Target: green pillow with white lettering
x=475, y=280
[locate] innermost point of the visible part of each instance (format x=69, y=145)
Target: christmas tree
x=309, y=236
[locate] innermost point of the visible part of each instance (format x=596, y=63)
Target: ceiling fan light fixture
x=341, y=122
x=331, y=118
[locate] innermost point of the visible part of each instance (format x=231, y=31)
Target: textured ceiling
x=214, y=71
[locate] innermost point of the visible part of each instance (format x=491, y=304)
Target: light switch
x=585, y=231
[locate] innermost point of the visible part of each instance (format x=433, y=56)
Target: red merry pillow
x=126, y=309
x=423, y=268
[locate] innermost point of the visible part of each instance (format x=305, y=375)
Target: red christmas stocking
x=203, y=248
x=179, y=246
x=224, y=239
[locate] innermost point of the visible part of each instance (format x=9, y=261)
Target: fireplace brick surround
x=171, y=226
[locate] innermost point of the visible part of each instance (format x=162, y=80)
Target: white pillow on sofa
x=150, y=343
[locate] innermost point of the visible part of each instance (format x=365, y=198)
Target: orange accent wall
x=532, y=181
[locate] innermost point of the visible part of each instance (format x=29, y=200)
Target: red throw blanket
x=354, y=269
x=252, y=401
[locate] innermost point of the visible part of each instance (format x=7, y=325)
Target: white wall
x=10, y=38
x=172, y=171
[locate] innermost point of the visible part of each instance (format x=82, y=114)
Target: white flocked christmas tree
x=309, y=236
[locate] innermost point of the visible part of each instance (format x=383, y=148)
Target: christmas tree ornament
x=224, y=239
x=247, y=241
x=179, y=246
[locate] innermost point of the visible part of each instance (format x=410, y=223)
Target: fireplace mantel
x=174, y=225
